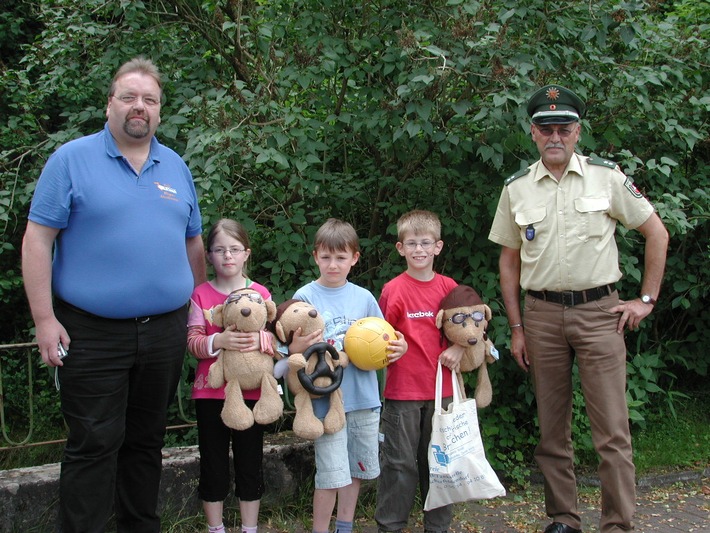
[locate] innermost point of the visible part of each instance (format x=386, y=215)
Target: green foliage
x=30, y=408
x=647, y=371
x=680, y=442
x=289, y=112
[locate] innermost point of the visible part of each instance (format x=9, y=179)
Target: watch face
x=646, y=299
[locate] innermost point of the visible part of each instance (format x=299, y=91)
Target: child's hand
x=300, y=342
x=239, y=341
x=248, y=342
x=451, y=357
x=397, y=347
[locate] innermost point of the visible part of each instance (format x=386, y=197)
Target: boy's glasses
x=223, y=251
x=459, y=318
x=236, y=296
x=412, y=245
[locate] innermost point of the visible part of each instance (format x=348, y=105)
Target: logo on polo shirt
x=166, y=191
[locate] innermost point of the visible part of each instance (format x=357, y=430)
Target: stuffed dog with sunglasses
x=463, y=319
x=249, y=312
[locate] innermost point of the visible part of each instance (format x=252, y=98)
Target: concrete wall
x=29, y=496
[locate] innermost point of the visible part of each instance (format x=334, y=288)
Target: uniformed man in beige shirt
x=555, y=222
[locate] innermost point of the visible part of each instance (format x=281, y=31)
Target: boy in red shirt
x=410, y=303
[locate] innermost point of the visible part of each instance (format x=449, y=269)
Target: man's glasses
x=459, y=318
x=130, y=99
x=236, y=296
x=234, y=250
x=412, y=245
x=548, y=132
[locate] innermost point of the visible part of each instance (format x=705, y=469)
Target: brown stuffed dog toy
x=291, y=315
x=463, y=319
x=246, y=309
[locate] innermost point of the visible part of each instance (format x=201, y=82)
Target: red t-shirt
x=410, y=306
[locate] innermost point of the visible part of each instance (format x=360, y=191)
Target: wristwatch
x=645, y=298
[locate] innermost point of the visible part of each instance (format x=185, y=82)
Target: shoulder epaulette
x=600, y=161
x=518, y=174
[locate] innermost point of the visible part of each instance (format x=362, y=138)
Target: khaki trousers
x=555, y=335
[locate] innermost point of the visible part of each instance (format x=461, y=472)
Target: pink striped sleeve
x=198, y=342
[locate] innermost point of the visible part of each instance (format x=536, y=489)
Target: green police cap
x=554, y=104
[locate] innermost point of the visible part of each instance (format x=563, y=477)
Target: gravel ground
x=676, y=502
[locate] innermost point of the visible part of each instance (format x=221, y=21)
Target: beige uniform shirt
x=565, y=231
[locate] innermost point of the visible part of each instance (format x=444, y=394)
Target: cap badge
x=553, y=93
x=553, y=107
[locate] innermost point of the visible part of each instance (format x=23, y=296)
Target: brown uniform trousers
x=555, y=335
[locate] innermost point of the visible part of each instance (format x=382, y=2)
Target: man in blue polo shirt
x=112, y=251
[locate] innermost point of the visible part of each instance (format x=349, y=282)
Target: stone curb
x=654, y=480
x=29, y=496
x=672, y=477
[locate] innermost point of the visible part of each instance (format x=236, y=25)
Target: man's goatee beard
x=137, y=132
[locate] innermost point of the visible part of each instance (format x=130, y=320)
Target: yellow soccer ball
x=366, y=342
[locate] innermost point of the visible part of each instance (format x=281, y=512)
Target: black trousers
x=116, y=386
x=247, y=452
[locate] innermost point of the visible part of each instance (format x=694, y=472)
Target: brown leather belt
x=570, y=298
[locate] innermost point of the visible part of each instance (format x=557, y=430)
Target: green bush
x=289, y=112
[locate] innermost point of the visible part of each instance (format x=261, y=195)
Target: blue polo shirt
x=121, y=250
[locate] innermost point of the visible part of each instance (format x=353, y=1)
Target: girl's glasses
x=223, y=251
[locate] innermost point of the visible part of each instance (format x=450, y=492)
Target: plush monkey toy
x=463, y=319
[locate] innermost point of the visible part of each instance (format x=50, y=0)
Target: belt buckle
x=568, y=298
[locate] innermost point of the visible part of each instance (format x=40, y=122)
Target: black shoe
x=559, y=527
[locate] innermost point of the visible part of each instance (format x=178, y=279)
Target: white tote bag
x=458, y=468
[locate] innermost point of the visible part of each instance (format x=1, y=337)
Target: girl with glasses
x=227, y=252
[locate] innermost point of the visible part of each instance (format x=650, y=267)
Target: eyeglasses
x=129, y=99
x=234, y=250
x=459, y=318
x=548, y=132
x=236, y=296
x=412, y=245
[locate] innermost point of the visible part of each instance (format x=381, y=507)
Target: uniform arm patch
x=629, y=184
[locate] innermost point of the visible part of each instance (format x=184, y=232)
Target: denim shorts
x=352, y=452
